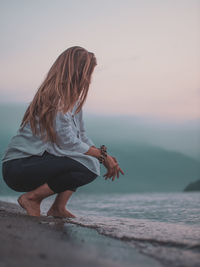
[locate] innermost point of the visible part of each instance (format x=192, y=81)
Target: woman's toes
x=69, y=214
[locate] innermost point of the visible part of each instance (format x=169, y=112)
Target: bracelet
x=103, y=150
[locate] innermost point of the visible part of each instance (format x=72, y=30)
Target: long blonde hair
x=66, y=82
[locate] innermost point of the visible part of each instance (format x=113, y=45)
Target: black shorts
x=60, y=173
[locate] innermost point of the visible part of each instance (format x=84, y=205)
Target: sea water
x=165, y=226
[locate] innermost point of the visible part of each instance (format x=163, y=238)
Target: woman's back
x=72, y=141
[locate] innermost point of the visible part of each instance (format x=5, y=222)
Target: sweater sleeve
x=83, y=133
x=66, y=137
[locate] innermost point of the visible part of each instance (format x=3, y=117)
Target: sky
x=147, y=52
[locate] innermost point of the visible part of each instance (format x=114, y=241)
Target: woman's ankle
x=31, y=196
x=58, y=207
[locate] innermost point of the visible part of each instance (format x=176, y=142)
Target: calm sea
x=165, y=226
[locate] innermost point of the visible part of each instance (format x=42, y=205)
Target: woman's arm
x=68, y=140
x=94, y=151
x=83, y=133
x=66, y=136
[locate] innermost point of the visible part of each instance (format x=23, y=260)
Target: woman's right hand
x=113, y=168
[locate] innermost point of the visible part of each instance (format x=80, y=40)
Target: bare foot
x=31, y=206
x=60, y=213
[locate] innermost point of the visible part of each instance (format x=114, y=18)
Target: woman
x=51, y=153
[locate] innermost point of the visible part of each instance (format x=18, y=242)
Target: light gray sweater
x=73, y=141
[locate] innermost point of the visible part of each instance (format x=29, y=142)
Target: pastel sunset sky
x=148, y=52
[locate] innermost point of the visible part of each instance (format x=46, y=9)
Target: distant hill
x=182, y=136
x=194, y=186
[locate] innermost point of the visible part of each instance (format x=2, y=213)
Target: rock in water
x=194, y=186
